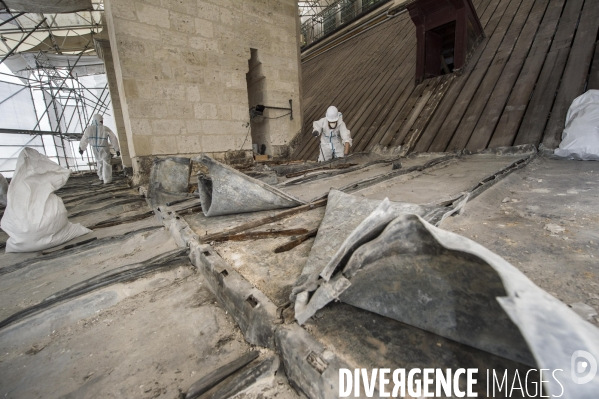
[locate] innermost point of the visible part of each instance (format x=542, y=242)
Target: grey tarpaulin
x=225, y=191
x=441, y=282
x=343, y=214
x=49, y=6
x=169, y=180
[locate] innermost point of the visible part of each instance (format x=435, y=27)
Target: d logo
x=584, y=367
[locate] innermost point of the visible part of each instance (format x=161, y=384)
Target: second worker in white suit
x=100, y=138
x=335, y=138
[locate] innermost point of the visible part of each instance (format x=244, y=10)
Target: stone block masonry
x=181, y=71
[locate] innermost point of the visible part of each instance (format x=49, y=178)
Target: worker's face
x=332, y=125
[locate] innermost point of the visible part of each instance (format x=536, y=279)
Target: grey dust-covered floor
x=122, y=313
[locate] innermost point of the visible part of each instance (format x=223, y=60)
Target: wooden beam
x=263, y=221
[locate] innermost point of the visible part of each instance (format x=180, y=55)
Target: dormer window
x=447, y=32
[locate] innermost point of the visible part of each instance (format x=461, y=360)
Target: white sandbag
x=3, y=189
x=36, y=218
x=580, y=139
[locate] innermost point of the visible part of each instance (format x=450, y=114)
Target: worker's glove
x=315, y=133
x=118, y=153
x=80, y=151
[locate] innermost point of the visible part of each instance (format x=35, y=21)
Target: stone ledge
x=254, y=313
x=309, y=366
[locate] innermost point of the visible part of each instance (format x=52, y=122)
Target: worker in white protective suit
x=100, y=138
x=335, y=138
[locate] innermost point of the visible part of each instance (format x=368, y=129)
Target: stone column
x=102, y=46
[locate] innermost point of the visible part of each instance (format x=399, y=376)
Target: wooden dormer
x=447, y=31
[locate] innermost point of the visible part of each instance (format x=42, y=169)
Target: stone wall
x=181, y=67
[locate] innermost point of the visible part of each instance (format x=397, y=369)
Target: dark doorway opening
x=440, y=49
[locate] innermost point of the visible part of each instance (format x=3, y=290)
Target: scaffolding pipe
x=11, y=18
x=22, y=40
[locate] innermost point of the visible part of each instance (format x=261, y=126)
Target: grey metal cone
x=226, y=191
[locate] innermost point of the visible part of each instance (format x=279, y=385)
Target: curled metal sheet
x=225, y=191
x=343, y=214
x=169, y=180
x=444, y=283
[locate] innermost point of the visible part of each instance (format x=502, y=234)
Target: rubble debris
x=554, y=228
x=225, y=191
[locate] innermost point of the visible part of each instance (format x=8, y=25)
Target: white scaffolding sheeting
x=16, y=107
x=12, y=145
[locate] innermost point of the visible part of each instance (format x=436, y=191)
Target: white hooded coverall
x=98, y=136
x=332, y=141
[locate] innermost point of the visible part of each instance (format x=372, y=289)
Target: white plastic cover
x=3, y=189
x=580, y=139
x=36, y=218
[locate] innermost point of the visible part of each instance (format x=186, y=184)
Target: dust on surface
x=151, y=345
x=544, y=220
x=273, y=274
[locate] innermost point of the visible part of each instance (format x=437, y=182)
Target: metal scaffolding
x=51, y=84
x=321, y=18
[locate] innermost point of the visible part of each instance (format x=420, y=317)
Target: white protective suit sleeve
x=113, y=139
x=345, y=133
x=318, y=125
x=85, y=138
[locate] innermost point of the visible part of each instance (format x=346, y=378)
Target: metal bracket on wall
x=259, y=109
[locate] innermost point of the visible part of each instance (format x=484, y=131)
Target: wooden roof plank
x=537, y=113
x=505, y=129
x=594, y=74
x=504, y=17
x=495, y=102
x=489, y=82
x=576, y=73
x=425, y=116
x=416, y=109
x=387, y=90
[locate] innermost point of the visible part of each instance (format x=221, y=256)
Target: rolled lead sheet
x=343, y=214
x=225, y=191
x=444, y=283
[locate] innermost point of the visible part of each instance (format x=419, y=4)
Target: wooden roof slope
x=538, y=55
